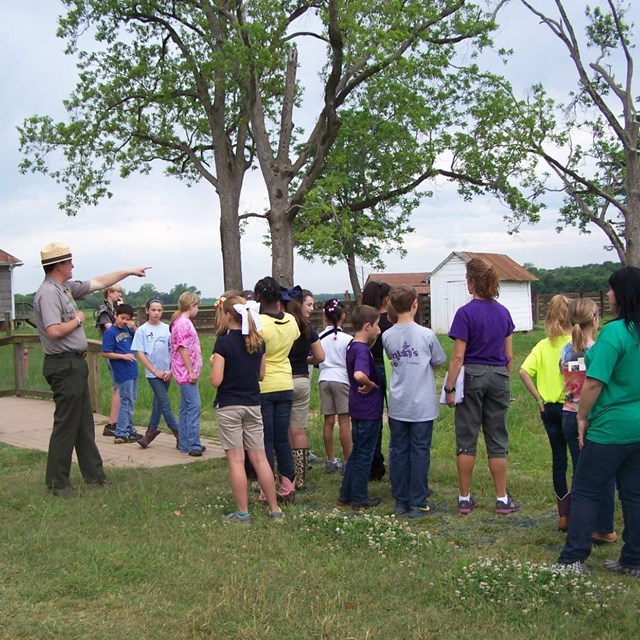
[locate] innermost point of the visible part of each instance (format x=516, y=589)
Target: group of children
x=554, y=373
x=166, y=352
x=260, y=367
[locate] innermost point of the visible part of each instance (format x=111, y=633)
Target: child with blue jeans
x=116, y=347
x=414, y=352
x=365, y=409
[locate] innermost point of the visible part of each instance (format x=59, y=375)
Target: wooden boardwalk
x=26, y=423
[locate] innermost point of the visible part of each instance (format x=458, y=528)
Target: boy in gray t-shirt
x=414, y=352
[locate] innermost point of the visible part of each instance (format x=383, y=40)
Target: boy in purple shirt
x=365, y=409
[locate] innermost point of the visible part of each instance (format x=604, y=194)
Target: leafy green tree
x=139, y=298
x=160, y=85
x=176, y=292
x=589, y=277
x=590, y=144
x=208, y=86
x=407, y=128
x=357, y=209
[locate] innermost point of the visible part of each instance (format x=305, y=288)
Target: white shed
x=449, y=289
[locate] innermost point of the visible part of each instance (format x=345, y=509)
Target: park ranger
x=60, y=325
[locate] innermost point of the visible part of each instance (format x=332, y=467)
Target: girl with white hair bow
x=237, y=366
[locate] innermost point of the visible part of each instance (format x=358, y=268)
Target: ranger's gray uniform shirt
x=55, y=303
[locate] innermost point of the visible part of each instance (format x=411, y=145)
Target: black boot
x=149, y=436
x=176, y=433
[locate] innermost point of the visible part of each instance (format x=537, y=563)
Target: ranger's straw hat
x=55, y=252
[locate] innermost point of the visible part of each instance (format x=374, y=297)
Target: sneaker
x=236, y=518
x=616, y=567
x=276, y=515
x=467, y=506
x=314, y=459
x=604, y=538
x=576, y=567
x=109, y=430
x=421, y=512
x=126, y=439
x=333, y=465
x=510, y=506
x=401, y=509
x=366, y=504
x=135, y=436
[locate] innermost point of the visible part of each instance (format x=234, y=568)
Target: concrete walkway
x=27, y=423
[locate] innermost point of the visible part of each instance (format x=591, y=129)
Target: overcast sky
x=144, y=223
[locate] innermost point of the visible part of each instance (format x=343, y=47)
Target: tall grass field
x=149, y=557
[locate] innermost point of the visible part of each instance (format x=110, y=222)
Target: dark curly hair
x=267, y=290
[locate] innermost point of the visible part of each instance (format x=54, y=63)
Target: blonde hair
x=582, y=312
x=219, y=326
x=484, y=278
x=114, y=287
x=556, y=323
x=253, y=340
x=187, y=300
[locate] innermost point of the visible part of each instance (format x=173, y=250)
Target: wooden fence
x=27, y=355
x=540, y=303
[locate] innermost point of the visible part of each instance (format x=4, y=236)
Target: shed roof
x=417, y=280
x=507, y=268
x=6, y=259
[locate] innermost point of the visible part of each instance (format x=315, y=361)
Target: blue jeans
x=364, y=434
x=276, y=417
x=409, y=459
x=598, y=466
x=189, y=423
x=128, y=391
x=606, y=507
x=161, y=405
x=570, y=432
x=552, y=421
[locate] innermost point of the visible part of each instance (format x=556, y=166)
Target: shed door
x=457, y=295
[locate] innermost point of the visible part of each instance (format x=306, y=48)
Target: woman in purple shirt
x=482, y=330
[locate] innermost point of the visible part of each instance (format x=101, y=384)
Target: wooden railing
x=20, y=345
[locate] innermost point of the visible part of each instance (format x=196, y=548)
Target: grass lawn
x=149, y=557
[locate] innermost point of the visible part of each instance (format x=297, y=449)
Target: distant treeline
x=590, y=277
x=147, y=291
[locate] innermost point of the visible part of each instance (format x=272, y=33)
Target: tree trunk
x=632, y=227
x=281, y=233
x=353, y=276
x=230, y=236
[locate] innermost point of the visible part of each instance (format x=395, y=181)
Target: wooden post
x=7, y=323
x=18, y=367
x=93, y=364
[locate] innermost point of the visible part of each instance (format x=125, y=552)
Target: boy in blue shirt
x=116, y=347
x=414, y=352
x=365, y=409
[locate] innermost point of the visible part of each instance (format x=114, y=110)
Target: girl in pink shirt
x=186, y=365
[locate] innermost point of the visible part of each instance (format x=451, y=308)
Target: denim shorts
x=485, y=404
